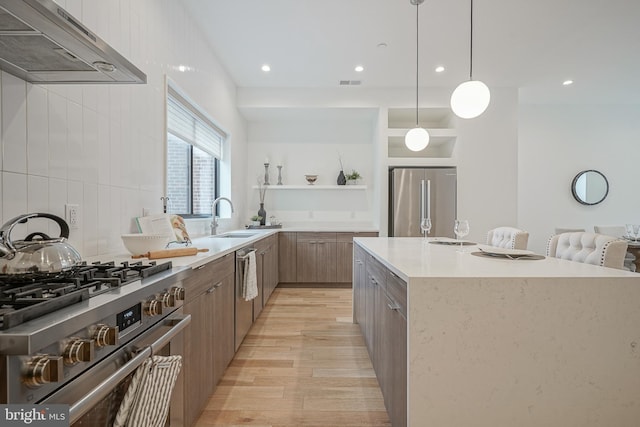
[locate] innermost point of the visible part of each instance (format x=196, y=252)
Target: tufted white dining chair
x=588, y=248
x=508, y=237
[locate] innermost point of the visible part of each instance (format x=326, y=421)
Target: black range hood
x=42, y=43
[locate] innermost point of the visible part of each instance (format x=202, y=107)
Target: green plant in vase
x=353, y=177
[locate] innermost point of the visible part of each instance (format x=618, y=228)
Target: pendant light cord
x=417, y=56
x=471, y=45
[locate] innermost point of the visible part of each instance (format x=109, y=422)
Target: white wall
x=102, y=146
x=485, y=152
x=558, y=141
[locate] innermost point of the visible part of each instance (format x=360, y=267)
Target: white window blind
x=186, y=122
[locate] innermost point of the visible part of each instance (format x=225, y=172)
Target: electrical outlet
x=72, y=215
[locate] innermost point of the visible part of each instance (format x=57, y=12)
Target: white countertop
x=220, y=246
x=411, y=257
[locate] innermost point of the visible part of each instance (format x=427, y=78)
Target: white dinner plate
x=506, y=251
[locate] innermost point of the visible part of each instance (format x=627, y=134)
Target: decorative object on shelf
x=342, y=180
x=262, y=189
x=311, y=178
x=417, y=138
x=266, y=174
x=279, y=175
x=353, y=177
x=470, y=98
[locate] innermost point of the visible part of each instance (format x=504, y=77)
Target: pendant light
x=471, y=98
x=417, y=138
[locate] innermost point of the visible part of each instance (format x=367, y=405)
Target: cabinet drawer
x=316, y=237
x=376, y=271
x=397, y=291
x=205, y=276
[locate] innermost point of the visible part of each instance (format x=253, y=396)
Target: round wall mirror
x=590, y=187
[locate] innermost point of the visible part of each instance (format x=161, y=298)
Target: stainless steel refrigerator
x=420, y=192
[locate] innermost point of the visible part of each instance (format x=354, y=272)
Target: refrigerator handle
x=423, y=196
x=428, y=198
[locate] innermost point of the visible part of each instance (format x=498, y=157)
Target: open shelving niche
x=438, y=122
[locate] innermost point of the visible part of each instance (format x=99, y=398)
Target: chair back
x=588, y=248
x=610, y=230
x=560, y=230
x=508, y=237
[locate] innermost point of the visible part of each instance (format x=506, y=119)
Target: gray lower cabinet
x=267, y=271
x=380, y=307
x=209, y=339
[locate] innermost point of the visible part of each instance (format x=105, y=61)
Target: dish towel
x=250, y=282
x=147, y=400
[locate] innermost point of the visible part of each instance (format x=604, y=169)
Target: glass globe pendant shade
x=416, y=139
x=470, y=99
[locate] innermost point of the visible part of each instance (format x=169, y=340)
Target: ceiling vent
x=350, y=82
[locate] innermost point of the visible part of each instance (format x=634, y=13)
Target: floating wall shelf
x=315, y=187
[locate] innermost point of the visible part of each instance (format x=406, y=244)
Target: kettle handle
x=6, y=245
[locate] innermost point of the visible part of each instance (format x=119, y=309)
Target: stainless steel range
x=75, y=339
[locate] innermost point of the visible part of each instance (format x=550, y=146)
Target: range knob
x=153, y=307
x=106, y=335
x=167, y=299
x=79, y=350
x=178, y=293
x=43, y=369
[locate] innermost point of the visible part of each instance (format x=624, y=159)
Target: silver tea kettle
x=38, y=256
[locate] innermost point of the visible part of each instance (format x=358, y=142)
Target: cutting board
x=170, y=253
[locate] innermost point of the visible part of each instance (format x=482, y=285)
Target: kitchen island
x=499, y=342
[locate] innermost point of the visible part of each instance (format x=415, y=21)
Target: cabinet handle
x=394, y=306
x=217, y=285
x=200, y=267
x=214, y=287
x=358, y=262
x=374, y=281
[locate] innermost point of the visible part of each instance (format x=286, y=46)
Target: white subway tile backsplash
x=37, y=130
x=14, y=123
x=104, y=151
x=100, y=146
x=75, y=195
x=38, y=201
x=14, y=194
x=104, y=218
x=57, y=136
x=90, y=150
x=74, y=142
x=90, y=220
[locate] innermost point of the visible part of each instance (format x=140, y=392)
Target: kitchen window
x=194, y=150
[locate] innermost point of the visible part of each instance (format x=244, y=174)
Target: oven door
x=95, y=396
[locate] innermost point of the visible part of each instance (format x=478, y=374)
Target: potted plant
x=255, y=220
x=353, y=177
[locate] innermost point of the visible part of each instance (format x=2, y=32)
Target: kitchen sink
x=233, y=235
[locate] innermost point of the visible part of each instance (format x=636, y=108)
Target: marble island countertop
x=411, y=257
x=523, y=343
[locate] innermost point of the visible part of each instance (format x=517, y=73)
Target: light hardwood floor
x=303, y=363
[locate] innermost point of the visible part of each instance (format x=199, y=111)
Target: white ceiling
x=534, y=45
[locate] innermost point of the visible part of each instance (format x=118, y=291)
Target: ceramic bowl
x=139, y=244
x=311, y=178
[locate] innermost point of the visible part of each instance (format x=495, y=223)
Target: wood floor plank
x=303, y=364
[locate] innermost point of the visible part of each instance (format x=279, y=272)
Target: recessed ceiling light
x=266, y=68
x=567, y=82
x=359, y=68
x=382, y=45
x=439, y=69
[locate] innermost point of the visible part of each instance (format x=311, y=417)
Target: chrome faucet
x=214, y=218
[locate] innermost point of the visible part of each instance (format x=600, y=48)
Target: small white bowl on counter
x=138, y=244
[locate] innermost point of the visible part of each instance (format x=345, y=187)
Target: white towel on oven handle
x=250, y=285
x=147, y=400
